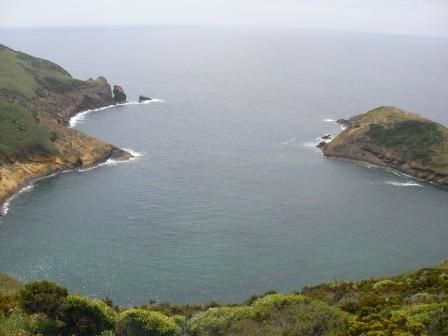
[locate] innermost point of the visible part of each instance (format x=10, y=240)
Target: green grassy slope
x=22, y=75
x=35, y=96
x=20, y=131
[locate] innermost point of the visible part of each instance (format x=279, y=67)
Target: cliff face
x=37, y=99
x=390, y=137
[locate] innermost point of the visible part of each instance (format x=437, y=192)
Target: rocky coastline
x=46, y=108
x=391, y=138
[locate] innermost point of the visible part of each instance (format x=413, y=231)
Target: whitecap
x=330, y=120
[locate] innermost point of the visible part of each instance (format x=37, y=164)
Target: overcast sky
x=417, y=17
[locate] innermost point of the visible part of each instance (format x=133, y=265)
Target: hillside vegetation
x=411, y=304
x=37, y=98
x=388, y=136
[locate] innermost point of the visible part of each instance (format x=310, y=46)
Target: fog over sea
x=229, y=197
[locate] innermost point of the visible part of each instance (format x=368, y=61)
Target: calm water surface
x=230, y=198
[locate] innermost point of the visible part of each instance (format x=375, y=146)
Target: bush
x=42, y=297
x=8, y=304
x=279, y=314
x=83, y=316
x=140, y=322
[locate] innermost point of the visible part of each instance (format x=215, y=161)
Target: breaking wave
x=5, y=207
x=403, y=184
x=82, y=116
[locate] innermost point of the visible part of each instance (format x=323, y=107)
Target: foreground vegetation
x=404, y=305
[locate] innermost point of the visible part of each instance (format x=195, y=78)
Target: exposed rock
x=46, y=99
x=321, y=144
x=343, y=122
x=390, y=137
x=119, y=95
x=326, y=137
x=142, y=99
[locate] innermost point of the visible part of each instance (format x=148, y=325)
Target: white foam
x=153, y=100
x=330, y=120
x=5, y=207
x=82, y=116
x=110, y=162
x=310, y=144
x=403, y=184
x=287, y=142
x=133, y=152
x=113, y=162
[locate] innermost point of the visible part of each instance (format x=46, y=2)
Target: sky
x=413, y=17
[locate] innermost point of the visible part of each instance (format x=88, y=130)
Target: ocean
x=228, y=196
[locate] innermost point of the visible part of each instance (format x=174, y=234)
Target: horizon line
x=191, y=25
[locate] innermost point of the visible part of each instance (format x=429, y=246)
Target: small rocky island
x=37, y=100
x=390, y=137
x=142, y=99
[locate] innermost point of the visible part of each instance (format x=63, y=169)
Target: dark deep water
x=230, y=198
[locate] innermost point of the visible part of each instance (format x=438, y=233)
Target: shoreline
x=77, y=117
x=387, y=169
x=384, y=165
x=28, y=183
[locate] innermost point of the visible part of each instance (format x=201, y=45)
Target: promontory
x=390, y=137
x=37, y=100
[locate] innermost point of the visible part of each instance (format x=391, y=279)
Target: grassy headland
x=37, y=98
x=390, y=137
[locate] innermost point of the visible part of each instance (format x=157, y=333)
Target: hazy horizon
x=411, y=17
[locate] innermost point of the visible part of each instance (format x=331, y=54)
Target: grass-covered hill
x=411, y=304
x=390, y=137
x=37, y=98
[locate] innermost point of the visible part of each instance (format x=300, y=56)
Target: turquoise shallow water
x=229, y=197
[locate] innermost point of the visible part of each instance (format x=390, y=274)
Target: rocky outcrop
x=119, y=95
x=393, y=138
x=142, y=99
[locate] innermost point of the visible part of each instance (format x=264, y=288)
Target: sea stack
x=119, y=95
x=142, y=99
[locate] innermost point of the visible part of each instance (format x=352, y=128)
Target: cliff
x=390, y=137
x=37, y=99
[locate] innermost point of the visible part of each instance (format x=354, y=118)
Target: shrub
x=83, y=316
x=8, y=304
x=384, y=284
x=279, y=314
x=42, y=297
x=141, y=322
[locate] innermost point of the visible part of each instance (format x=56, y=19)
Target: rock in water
x=142, y=99
x=119, y=95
